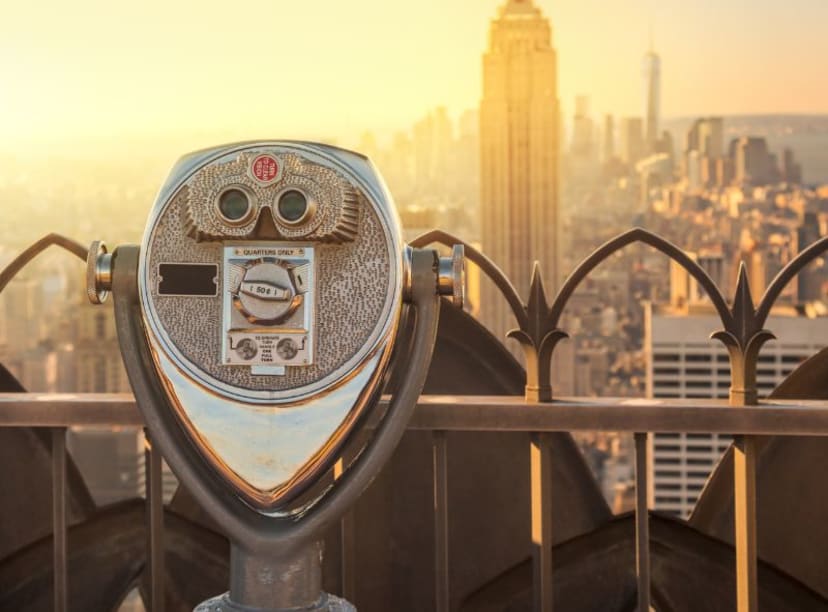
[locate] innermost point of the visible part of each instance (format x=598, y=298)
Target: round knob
x=267, y=294
x=451, y=276
x=98, y=272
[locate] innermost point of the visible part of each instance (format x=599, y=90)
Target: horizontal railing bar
x=69, y=409
x=478, y=413
x=482, y=413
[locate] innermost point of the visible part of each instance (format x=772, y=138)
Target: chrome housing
x=270, y=445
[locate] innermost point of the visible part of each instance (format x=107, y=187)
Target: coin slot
x=188, y=279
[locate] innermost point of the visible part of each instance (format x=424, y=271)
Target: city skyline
x=144, y=93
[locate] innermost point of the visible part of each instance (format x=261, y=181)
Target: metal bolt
x=451, y=276
x=408, y=253
x=98, y=272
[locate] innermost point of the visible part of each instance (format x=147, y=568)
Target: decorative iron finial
x=743, y=337
x=538, y=338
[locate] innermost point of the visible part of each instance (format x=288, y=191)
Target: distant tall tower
x=651, y=71
x=582, y=129
x=632, y=144
x=609, y=138
x=752, y=161
x=519, y=147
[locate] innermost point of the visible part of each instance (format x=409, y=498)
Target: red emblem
x=265, y=168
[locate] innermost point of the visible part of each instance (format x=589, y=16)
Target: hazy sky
x=105, y=71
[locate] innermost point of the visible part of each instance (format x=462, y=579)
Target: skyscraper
x=651, y=72
x=582, y=129
x=704, y=148
x=519, y=147
x=707, y=137
x=433, y=138
x=752, y=160
x=609, y=138
x=791, y=170
x=632, y=144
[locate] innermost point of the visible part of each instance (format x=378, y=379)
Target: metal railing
x=439, y=415
x=743, y=416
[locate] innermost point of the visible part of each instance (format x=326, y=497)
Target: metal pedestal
x=273, y=583
x=223, y=603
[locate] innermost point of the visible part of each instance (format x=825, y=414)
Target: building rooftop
x=519, y=9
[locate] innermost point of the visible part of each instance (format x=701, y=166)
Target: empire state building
x=519, y=123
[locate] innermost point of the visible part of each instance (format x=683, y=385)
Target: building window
x=699, y=449
x=697, y=384
x=698, y=474
x=668, y=500
x=667, y=371
x=698, y=372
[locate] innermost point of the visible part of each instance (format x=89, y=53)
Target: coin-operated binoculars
x=257, y=321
